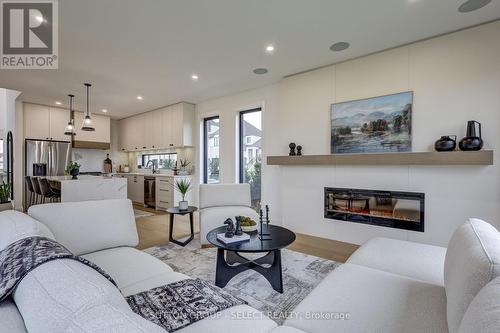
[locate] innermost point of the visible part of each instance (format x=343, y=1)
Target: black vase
x=74, y=173
x=473, y=140
x=445, y=143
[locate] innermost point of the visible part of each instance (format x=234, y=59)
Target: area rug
x=301, y=273
x=141, y=213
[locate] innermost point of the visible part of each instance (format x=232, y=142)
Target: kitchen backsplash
x=92, y=160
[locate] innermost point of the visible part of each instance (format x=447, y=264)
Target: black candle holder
x=262, y=235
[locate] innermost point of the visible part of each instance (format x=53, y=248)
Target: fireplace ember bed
x=400, y=210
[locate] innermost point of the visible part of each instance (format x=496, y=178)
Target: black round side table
x=269, y=265
x=176, y=211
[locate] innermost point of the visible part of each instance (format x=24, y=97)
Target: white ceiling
x=127, y=48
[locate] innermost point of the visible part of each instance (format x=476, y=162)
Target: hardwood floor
x=153, y=231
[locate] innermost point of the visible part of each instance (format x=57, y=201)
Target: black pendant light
x=87, y=122
x=70, y=128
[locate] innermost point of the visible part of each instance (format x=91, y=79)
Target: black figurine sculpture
x=238, y=231
x=230, y=228
x=299, y=150
x=292, y=149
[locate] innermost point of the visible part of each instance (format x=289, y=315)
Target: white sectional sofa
x=386, y=286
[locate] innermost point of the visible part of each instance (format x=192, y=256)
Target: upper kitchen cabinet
x=99, y=139
x=45, y=123
x=168, y=127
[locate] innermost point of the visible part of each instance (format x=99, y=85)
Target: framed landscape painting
x=372, y=125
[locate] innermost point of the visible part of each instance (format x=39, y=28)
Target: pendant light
x=87, y=122
x=69, y=130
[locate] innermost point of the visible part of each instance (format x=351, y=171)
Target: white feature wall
x=455, y=78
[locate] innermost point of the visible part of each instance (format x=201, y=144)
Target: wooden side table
x=176, y=211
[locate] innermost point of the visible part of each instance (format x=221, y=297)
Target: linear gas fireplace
x=401, y=210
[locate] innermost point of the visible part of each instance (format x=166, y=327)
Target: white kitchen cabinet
x=135, y=188
x=164, y=192
x=45, y=123
x=58, y=119
x=168, y=127
x=102, y=125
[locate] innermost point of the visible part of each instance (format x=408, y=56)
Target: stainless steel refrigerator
x=47, y=158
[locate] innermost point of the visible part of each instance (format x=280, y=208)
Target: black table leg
x=171, y=239
x=225, y=272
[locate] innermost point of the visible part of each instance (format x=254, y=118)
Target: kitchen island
x=88, y=187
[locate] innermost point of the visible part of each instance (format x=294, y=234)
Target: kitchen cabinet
x=164, y=192
x=168, y=127
x=102, y=125
x=45, y=123
x=135, y=188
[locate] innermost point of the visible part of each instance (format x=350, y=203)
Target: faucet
x=154, y=165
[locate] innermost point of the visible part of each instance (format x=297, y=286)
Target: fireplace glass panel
x=402, y=210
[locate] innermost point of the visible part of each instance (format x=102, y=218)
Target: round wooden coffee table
x=230, y=262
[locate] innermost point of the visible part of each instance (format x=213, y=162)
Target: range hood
x=91, y=145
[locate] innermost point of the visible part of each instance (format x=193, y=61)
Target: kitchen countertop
x=80, y=177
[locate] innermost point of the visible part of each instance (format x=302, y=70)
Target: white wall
x=455, y=78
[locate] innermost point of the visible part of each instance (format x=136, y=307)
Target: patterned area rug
x=301, y=273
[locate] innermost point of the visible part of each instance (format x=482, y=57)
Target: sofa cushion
x=89, y=226
x=10, y=318
x=238, y=319
x=104, y=318
x=213, y=217
x=52, y=294
x=215, y=195
x=472, y=261
x=415, y=260
x=360, y=299
x=483, y=313
x=134, y=271
x=15, y=225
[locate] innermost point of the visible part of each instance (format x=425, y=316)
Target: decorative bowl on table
x=248, y=225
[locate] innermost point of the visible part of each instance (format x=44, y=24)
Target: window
x=162, y=160
x=211, y=150
x=251, y=152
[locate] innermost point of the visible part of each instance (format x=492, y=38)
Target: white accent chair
x=221, y=201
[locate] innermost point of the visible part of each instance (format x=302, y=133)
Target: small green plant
x=72, y=166
x=5, y=189
x=184, y=163
x=183, y=186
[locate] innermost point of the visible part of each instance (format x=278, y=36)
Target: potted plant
x=183, y=186
x=73, y=169
x=184, y=163
x=5, y=203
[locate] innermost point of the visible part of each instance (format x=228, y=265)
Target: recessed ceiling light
x=194, y=77
x=260, y=71
x=104, y=110
x=340, y=46
x=58, y=103
x=139, y=98
x=269, y=49
x=472, y=5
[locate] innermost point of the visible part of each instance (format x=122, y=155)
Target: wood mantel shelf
x=482, y=157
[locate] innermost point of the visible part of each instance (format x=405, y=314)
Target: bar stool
x=31, y=192
x=36, y=189
x=47, y=191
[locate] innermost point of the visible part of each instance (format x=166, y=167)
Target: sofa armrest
x=89, y=226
